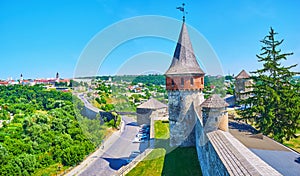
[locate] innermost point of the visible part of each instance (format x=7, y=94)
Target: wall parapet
x=237, y=159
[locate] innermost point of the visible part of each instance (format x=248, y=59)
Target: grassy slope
x=161, y=130
x=294, y=143
x=155, y=161
x=51, y=170
x=164, y=160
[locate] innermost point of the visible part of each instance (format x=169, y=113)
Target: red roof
x=44, y=80
x=3, y=82
x=64, y=80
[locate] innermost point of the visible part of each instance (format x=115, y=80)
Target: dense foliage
x=274, y=104
x=44, y=130
x=150, y=79
x=214, y=85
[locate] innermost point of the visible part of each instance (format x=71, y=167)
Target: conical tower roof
x=152, y=104
x=184, y=60
x=214, y=101
x=242, y=75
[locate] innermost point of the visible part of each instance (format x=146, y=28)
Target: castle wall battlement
x=219, y=153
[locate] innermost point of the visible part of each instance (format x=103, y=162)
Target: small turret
x=214, y=114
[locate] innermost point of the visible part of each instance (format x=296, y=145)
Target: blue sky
x=40, y=38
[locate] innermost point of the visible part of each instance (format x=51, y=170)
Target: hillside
x=44, y=135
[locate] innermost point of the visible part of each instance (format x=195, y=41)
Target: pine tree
x=274, y=104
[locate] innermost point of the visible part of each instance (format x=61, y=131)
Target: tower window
x=202, y=80
x=173, y=83
x=192, y=81
x=182, y=81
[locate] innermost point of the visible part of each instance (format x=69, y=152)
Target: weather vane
x=183, y=11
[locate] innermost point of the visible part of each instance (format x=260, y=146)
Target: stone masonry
x=182, y=116
x=184, y=83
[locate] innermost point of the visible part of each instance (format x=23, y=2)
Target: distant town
x=32, y=82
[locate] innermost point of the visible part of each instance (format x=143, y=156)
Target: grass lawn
x=51, y=170
x=164, y=160
x=294, y=143
x=161, y=129
x=152, y=165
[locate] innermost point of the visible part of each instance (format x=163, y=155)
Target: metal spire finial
x=183, y=11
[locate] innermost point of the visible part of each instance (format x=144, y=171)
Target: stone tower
x=242, y=83
x=214, y=114
x=184, y=83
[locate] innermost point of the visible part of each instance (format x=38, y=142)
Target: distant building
x=45, y=81
x=4, y=83
x=242, y=85
x=21, y=79
x=57, y=77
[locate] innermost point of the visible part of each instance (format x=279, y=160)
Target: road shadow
x=132, y=124
x=297, y=160
x=163, y=143
x=144, y=145
x=116, y=163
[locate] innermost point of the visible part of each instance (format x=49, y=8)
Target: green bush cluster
x=44, y=130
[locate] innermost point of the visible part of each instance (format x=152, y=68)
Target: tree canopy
x=274, y=103
x=44, y=131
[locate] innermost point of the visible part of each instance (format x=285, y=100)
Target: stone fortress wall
x=92, y=114
x=181, y=116
x=219, y=153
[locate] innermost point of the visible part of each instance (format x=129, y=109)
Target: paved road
x=281, y=158
x=285, y=162
x=116, y=149
x=115, y=157
x=86, y=103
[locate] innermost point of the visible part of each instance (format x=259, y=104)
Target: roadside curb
x=95, y=155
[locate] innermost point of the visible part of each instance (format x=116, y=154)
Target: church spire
x=21, y=78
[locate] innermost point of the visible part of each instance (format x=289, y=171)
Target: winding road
x=106, y=161
x=115, y=156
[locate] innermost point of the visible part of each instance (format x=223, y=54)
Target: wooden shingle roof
x=152, y=104
x=242, y=75
x=184, y=60
x=214, y=101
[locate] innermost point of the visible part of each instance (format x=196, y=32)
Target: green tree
x=115, y=122
x=274, y=104
x=45, y=124
x=3, y=154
